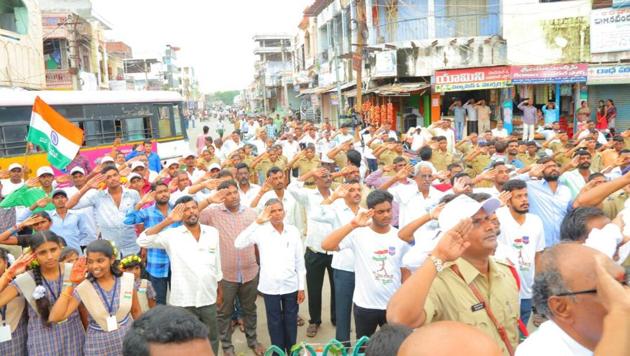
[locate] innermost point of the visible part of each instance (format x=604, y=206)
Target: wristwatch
x=438, y=263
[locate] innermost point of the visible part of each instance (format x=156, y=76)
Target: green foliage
x=227, y=97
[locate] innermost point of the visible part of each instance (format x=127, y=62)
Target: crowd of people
x=459, y=234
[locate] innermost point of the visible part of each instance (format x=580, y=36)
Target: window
x=177, y=120
x=13, y=16
x=93, y=132
x=14, y=139
x=135, y=130
x=164, y=122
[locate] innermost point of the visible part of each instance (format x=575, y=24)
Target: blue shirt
x=74, y=228
x=109, y=218
x=459, y=113
x=154, y=160
x=549, y=206
x=157, y=259
x=551, y=115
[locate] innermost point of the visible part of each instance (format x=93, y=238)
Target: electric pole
x=357, y=59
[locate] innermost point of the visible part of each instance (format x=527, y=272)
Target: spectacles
x=625, y=282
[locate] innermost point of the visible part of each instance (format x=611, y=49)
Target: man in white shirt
x=246, y=189
x=316, y=259
x=282, y=271
x=194, y=253
x=232, y=143
x=275, y=188
x=337, y=210
x=499, y=131
x=378, y=256
x=576, y=178
x=290, y=146
x=79, y=179
x=15, y=181
x=521, y=240
x=565, y=292
x=443, y=128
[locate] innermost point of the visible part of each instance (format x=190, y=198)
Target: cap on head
x=214, y=166
x=133, y=176
x=44, y=170
x=464, y=207
x=107, y=159
x=77, y=169
x=13, y=166
x=137, y=164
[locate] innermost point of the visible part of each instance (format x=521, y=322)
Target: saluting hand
x=79, y=270
x=454, y=242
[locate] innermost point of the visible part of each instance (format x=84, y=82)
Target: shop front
x=610, y=82
x=489, y=84
x=560, y=84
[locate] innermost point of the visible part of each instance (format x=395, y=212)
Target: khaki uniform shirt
x=304, y=165
x=614, y=204
x=561, y=159
x=441, y=160
x=450, y=298
x=207, y=164
x=387, y=157
x=266, y=164
x=478, y=164
x=527, y=159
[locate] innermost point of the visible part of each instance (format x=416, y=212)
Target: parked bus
x=131, y=116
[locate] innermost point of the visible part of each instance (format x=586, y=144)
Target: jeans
x=459, y=130
x=367, y=320
x=344, y=289
x=208, y=316
x=160, y=284
x=526, y=310
x=246, y=294
x=316, y=266
x=282, y=312
x=528, y=132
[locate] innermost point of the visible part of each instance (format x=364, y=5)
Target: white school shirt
x=282, y=269
x=195, y=265
x=519, y=244
x=549, y=339
x=337, y=214
x=377, y=263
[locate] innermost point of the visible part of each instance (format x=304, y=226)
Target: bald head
x=429, y=340
x=564, y=290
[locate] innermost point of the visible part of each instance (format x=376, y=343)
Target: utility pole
x=75, y=53
x=357, y=59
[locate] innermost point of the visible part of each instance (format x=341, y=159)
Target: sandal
x=312, y=329
x=258, y=349
x=300, y=321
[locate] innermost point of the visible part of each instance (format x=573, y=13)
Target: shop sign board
x=608, y=74
x=610, y=30
x=549, y=74
x=472, y=79
x=386, y=65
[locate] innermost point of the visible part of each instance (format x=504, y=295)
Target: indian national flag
x=54, y=134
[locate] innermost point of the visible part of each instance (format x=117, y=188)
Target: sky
x=215, y=36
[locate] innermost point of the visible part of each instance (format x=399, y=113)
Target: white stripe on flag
x=64, y=146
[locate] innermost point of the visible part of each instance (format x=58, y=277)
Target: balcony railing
x=58, y=79
x=467, y=25
x=403, y=30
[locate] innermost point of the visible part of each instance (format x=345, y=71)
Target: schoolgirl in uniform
x=106, y=293
x=144, y=288
x=12, y=315
x=41, y=287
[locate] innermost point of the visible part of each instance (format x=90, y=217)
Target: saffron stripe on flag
x=57, y=122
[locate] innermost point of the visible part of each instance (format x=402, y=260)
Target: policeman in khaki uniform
x=477, y=160
x=460, y=280
x=441, y=158
x=306, y=161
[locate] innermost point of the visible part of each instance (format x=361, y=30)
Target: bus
x=104, y=116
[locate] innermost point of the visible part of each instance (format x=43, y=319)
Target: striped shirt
x=157, y=260
x=238, y=266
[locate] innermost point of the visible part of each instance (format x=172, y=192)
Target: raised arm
x=332, y=241
x=406, y=306
x=67, y=304
x=596, y=195
x=93, y=183
x=407, y=231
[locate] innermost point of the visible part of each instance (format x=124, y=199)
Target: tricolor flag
x=54, y=134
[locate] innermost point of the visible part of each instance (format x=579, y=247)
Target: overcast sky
x=215, y=36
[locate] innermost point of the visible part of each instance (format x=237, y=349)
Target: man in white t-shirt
x=15, y=181
x=378, y=254
x=521, y=240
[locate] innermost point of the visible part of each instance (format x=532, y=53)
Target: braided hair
x=38, y=239
x=106, y=248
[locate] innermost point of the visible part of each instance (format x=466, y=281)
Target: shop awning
x=399, y=88
x=343, y=87
x=318, y=90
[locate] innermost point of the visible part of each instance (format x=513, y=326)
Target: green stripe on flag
x=55, y=158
